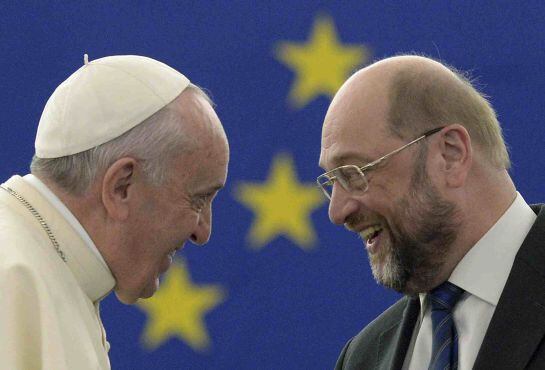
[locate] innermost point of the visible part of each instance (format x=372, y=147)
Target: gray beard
x=418, y=251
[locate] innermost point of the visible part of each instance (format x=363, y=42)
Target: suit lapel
x=518, y=324
x=394, y=342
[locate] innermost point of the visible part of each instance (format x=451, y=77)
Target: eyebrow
x=212, y=189
x=350, y=158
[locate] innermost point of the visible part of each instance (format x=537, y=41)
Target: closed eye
x=201, y=200
x=331, y=180
x=373, y=166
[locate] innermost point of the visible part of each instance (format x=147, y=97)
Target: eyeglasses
x=352, y=178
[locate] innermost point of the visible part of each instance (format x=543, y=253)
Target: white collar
x=65, y=212
x=94, y=277
x=484, y=270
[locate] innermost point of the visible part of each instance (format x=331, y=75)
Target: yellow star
x=177, y=310
x=282, y=206
x=322, y=64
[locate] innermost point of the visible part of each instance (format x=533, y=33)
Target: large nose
x=341, y=205
x=202, y=231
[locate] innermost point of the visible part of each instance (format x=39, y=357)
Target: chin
x=147, y=294
x=125, y=298
x=150, y=288
x=143, y=289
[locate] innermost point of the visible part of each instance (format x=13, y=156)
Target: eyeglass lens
x=351, y=178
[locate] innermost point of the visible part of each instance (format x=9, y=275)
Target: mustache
x=355, y=221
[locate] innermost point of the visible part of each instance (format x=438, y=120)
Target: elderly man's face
x=406, y=224
x=180, y=210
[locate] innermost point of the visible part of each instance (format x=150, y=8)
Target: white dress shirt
x=482, y=273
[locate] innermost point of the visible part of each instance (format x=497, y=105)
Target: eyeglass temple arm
x=424, y=135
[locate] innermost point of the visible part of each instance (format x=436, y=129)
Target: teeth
x=366, y=233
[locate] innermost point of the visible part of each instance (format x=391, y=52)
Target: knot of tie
x=445, y=338
x=445, y=296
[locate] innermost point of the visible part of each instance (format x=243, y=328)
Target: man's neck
x=81, y=206
x=480, y=208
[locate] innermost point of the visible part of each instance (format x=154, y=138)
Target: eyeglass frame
x=369, y=165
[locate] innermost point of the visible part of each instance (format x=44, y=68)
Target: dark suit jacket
x=514, y=339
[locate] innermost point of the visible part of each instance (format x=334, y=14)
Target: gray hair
x=420, y=101
x=154, y=141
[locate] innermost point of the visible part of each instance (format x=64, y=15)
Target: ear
x=117, y=187
x=457, y=154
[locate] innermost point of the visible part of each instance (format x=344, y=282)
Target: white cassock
x=49, y=308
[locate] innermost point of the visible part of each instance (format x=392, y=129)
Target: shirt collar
x=484, y=270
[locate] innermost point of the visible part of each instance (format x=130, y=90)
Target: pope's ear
x=117, y=187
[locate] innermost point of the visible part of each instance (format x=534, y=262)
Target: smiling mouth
x=173, y=252
x=370, y=233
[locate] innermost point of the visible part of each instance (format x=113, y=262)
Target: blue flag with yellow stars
x=278, y=286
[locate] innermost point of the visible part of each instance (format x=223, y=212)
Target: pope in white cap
x=129, y=157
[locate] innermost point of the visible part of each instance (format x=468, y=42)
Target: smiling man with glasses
x=416, y=165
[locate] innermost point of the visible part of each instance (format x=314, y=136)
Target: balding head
x=416, y=94
x=425, y=94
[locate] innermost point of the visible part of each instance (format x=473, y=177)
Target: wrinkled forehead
x=353, y=130
x=199, y=116
x=206, y=166
x=204, y=129
x=351, y=145
x=212, y=147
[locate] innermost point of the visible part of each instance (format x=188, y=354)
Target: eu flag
x=278, y=286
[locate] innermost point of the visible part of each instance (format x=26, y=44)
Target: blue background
x=286, y=307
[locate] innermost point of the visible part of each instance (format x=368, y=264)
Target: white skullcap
x=102, y=100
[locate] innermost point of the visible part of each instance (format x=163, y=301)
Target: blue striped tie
x=445, y=338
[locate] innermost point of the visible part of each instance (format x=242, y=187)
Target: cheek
x=183, y=224
x=391, y=189
x=388, y=197
x=380, y=204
